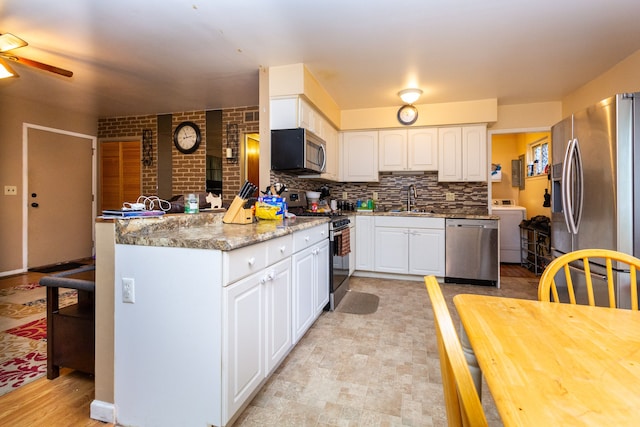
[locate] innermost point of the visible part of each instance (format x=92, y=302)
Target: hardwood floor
x=64, y=401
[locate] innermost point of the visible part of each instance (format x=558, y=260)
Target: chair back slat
x=461, y=397
x=548, y=288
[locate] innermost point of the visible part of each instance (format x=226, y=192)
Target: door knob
x=34, y=205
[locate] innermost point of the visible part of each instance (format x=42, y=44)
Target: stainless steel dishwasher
x=471, y=254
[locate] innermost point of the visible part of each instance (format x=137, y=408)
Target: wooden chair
x=604, y=257
x=461, y=398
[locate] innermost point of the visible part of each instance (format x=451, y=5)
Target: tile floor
x=380, y=369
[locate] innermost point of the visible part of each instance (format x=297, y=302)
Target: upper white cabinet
x=474, y=153
x=408, y=149
x=462, y=153
x=359, y=160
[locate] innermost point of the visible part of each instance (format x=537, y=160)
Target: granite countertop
x=205, y=231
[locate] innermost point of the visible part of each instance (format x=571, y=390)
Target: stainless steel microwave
x=297, y=151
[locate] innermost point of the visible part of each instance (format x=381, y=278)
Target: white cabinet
x=359, y=160
x=257, y=313
x=310, y=266
x=474, y=151
x=364, y=243
x=408, y=149
x=409, y=245
x=462, y=153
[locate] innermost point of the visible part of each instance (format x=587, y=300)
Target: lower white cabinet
x=257, y=310
x=311, y=286
x=364, y=243
x=409, y=245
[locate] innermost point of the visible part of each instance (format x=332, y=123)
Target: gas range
x=338, y=220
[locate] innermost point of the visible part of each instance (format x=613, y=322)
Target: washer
x=510, y=218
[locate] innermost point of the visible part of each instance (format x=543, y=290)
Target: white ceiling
x=160, y=56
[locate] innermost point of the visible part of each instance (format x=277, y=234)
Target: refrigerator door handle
x=580, y=186
x=573, y=187
x=564, y=187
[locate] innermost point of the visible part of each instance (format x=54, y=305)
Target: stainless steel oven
x=339, y=239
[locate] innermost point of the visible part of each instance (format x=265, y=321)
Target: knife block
x=237, y=214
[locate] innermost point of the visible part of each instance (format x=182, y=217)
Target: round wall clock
x=187, y=137
x=407, y=114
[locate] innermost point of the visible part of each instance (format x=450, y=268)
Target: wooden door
x=252, y=151
x=120, y=173
x=60, y=197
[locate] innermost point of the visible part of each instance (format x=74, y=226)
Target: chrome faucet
x=415, y=195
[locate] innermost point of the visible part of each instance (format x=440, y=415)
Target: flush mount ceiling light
x=409, y=96
x=6, y=71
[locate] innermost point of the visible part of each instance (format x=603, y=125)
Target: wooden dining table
x=550, y=364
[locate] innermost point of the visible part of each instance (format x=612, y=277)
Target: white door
x=278, y=311
x=450, y=154
x=391, y=249
x=426, y=252
x=303, y=307
x=322, y=275
x=60, y=197
x=244, y=342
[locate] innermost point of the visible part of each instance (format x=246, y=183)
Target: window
x=538, y=157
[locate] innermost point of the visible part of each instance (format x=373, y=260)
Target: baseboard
x=103, y=411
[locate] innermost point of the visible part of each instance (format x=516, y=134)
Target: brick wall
x=130, y=128
x=231, y=180
x=189, y=170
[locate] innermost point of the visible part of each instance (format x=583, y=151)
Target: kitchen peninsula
x=205, y=311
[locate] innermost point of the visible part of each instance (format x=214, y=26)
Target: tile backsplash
x=392, y=191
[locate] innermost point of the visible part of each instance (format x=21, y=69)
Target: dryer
x=511, y=216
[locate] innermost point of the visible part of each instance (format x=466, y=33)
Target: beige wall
x=15, y=112
x=527, y=116
x=477, y=111
x=623, y=77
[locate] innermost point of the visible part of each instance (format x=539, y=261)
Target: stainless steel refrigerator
x=594, y=180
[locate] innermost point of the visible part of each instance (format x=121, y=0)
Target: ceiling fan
x=9, y=42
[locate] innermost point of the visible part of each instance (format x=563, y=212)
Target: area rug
x=358, y=303
x=23, y=333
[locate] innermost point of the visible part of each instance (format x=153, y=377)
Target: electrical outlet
x=375, y=195
x=344, y=195
x=10, y=190
x=450, y=197
x=128, y=290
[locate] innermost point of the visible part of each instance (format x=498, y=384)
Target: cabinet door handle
x=251, y=261
x=271, y=275
x=306, y=238
x=283, y=248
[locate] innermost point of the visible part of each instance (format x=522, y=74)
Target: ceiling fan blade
x=40, y=65
x=8, y=42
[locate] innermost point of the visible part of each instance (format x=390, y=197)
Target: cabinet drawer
x=304, y=238
x=279, y=249
x=239, y=263
x=409, y=222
